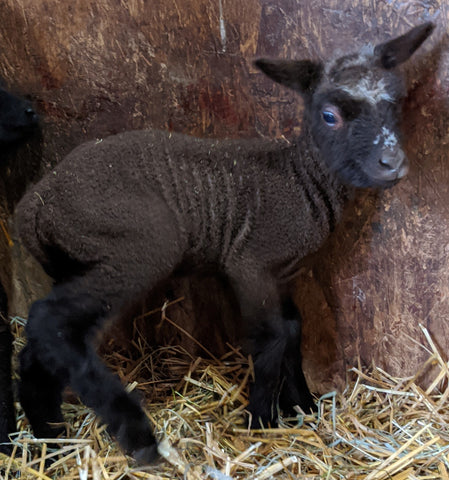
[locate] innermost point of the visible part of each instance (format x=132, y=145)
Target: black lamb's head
x=17, y=118
x=353, y=107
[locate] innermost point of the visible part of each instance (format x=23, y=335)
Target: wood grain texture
x=96, y=68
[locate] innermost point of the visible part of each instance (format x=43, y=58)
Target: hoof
x=307, y=403
x=310, y=407
x=146, y=455
x=260, y=419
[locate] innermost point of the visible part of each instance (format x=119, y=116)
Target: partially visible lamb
x=116, y=216
x=17, y=121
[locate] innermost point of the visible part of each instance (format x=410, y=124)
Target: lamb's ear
x=301, y=75
x=394, y=52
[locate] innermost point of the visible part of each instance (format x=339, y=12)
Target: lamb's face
x=353, y=105
x=355, y=112
x=17, y=118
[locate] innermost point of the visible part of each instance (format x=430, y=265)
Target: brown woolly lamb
x=116, y=216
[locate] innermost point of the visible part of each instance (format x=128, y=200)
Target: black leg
x=59, y=331
x=267, y=345
x=258, y=297
x=7, y=413
x=294, y=389
x=40, y=394
x=274, y=336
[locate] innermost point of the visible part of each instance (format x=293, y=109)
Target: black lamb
x=17, y=121
x=118, y=215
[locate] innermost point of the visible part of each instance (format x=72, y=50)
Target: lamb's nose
x=387, y=163
x=395, y=162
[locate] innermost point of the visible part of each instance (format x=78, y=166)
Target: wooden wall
x=99, y=67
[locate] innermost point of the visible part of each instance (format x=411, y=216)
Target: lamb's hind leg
x=144, y=246
x=59, y=351
x=42, y=380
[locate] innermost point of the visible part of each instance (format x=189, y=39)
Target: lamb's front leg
x=273, y=332
x=294, y=389
x=259, y=301
x=267, y=344
x=279, y=377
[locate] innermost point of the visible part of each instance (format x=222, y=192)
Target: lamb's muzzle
x=394, y=165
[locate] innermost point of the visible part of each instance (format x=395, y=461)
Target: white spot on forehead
x=390, y=139
x=368, y=89
x=376, y=140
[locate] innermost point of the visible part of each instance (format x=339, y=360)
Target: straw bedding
x=379, y=428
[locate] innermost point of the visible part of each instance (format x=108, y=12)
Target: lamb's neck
x=321, y=185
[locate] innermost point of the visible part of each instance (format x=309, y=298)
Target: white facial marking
x=376, y=140
x=367, y=89
x=390, y=139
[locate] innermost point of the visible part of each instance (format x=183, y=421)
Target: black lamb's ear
x=396, y=51
x=300, y=75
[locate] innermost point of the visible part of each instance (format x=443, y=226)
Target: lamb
x=17, y=121
x=118, y=215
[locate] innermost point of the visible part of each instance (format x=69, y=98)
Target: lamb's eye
x=329, y=118
x=332, y=117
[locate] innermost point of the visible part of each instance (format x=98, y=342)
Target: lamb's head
x=17, y=118
x=353, y=106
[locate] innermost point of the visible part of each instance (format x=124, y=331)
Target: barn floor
x=380, y=427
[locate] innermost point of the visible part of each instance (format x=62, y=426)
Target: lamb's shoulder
x=297, y=209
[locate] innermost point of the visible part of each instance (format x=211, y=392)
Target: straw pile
x=379, y=428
